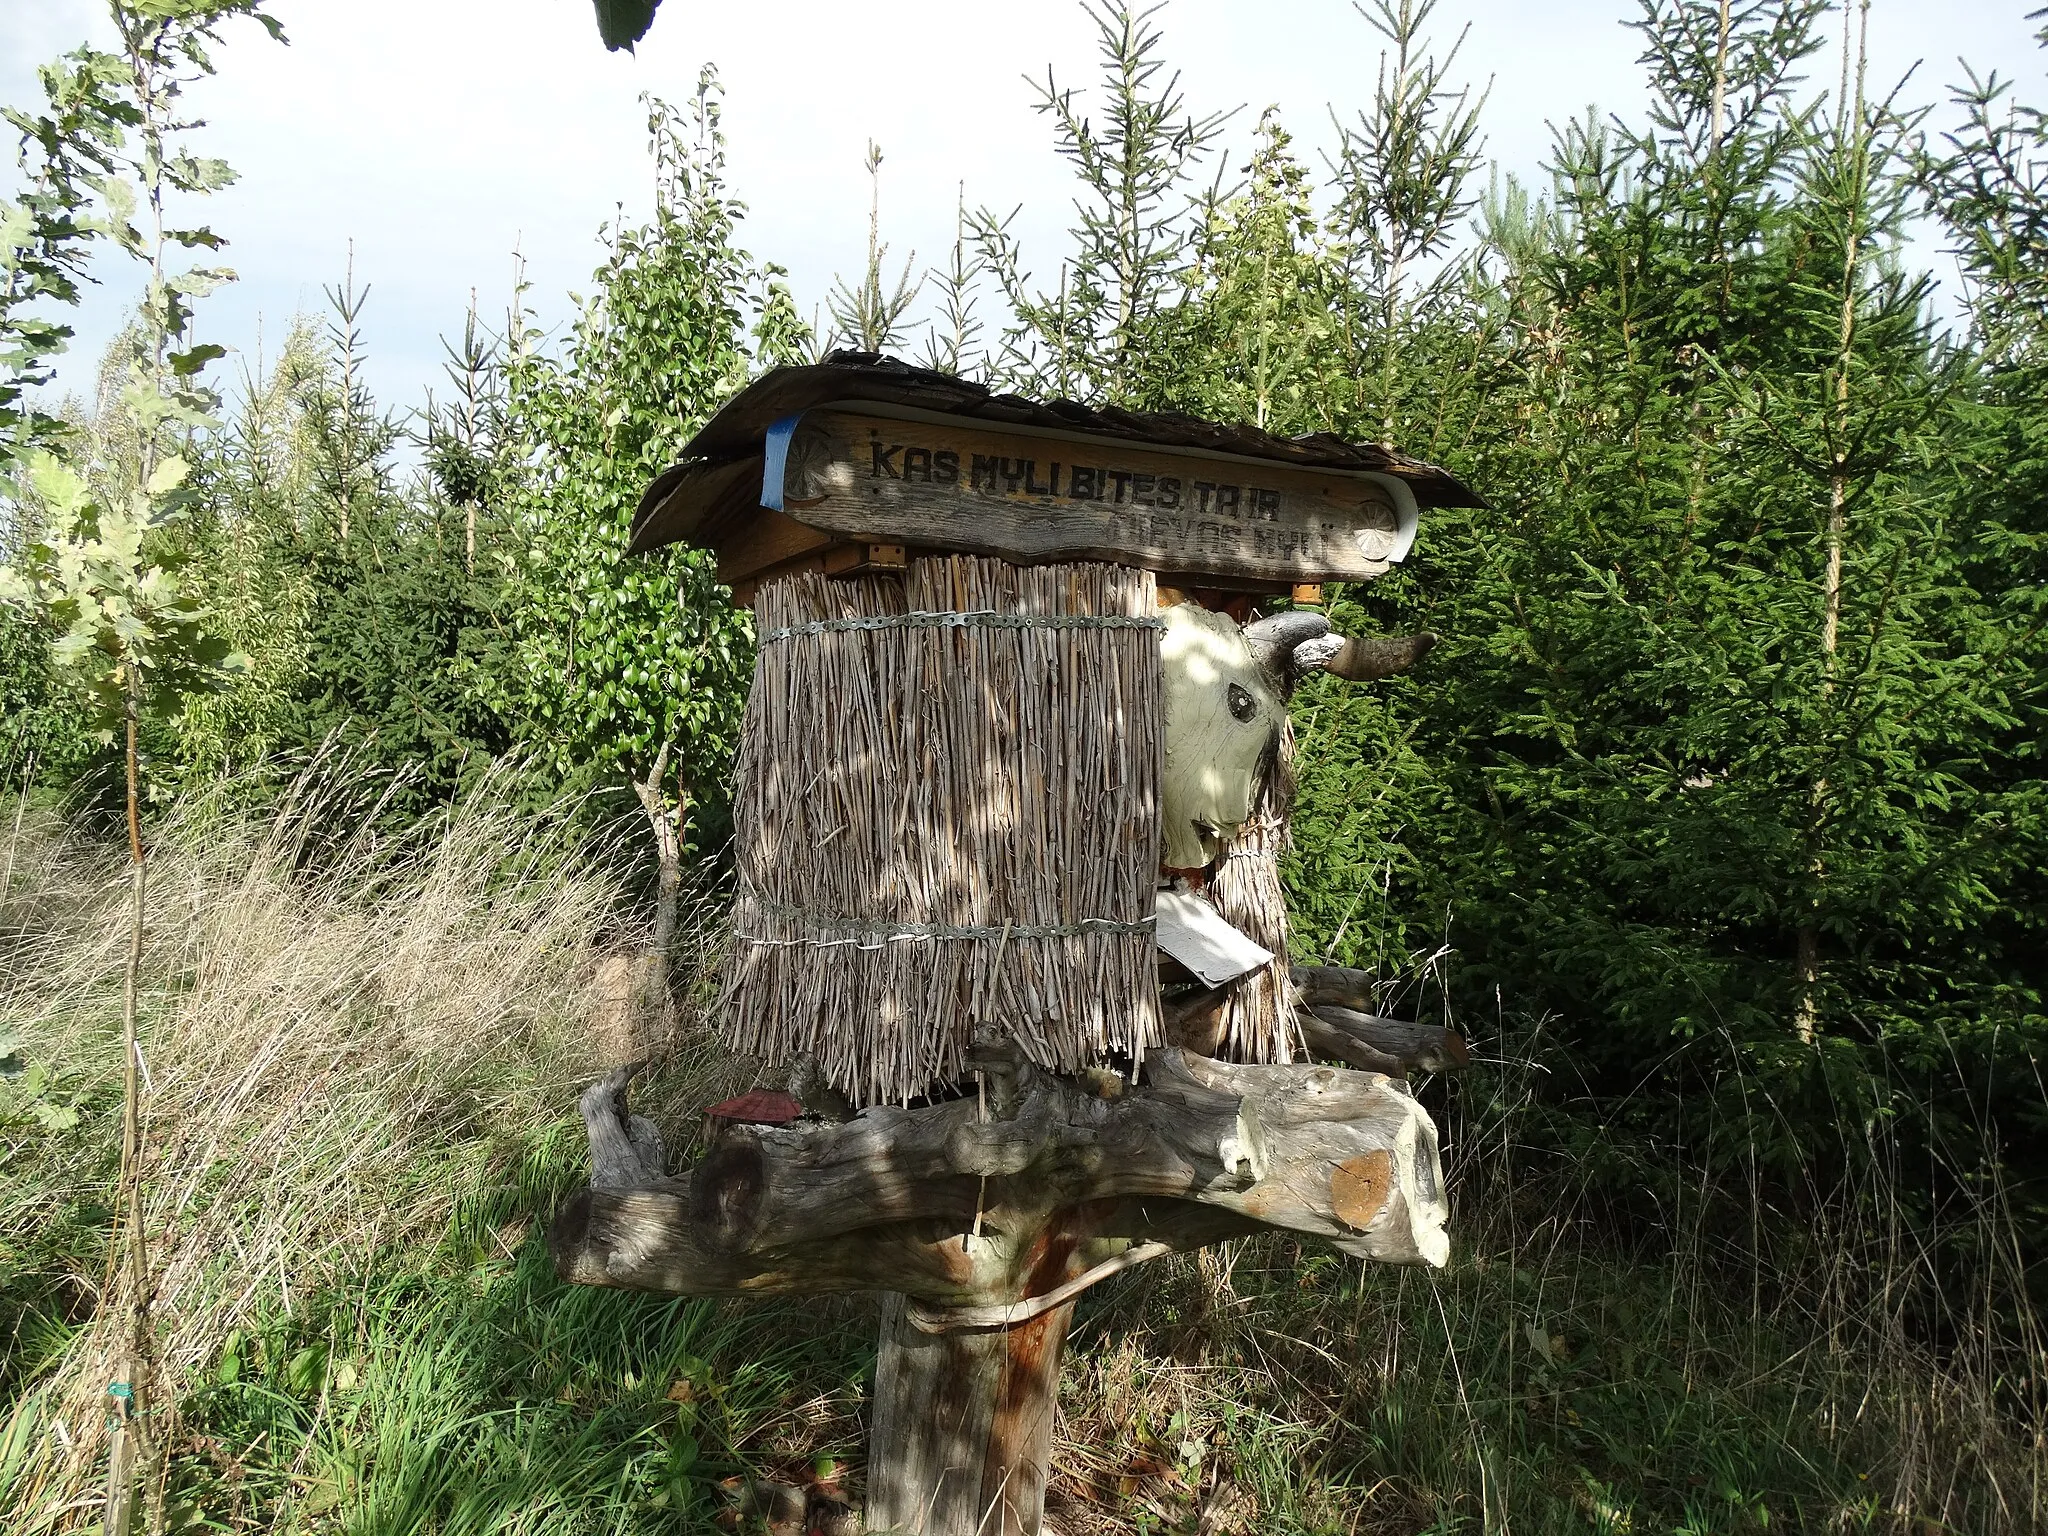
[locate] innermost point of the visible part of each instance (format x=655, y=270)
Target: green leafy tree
x=353, y=439
x=1988, y=185
x=1404, y=176
x=1091, y=336
x=381, y=594
x=461, y=439
x=1259, y=322
x=1731, y=742
x=257, y=505
x=634, y=667
x=953, y=337
x=869, y=315
x=46, y=236
x=67, y=152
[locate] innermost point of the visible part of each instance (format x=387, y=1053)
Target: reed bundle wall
x=1258, y=1015
x=947, y=827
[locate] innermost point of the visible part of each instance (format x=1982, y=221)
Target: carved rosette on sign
x=1008, y=937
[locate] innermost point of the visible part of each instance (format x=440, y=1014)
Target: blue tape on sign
x=774, y=456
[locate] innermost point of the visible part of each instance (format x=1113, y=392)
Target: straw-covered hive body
x=948, y=821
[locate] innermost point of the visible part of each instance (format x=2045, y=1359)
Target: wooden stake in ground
x=649, y=1004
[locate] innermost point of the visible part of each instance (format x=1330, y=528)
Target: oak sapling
x=92, y=565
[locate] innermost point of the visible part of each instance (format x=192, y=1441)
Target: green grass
x=472, y=1393
x=1488, y=1397
x=460, y=1389
x=477, y=1394
x=365, y=1070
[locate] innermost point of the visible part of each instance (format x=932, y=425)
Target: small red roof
x=759, y=1106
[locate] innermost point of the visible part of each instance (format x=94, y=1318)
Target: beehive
x=947, y=807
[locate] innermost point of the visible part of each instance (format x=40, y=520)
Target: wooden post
x=963, y=1423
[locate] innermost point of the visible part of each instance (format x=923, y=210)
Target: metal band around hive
x=980, y=619
x=857, y=929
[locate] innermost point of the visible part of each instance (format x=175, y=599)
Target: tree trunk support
x=986, y=1229
x=963, y=1423
x=650, y=1002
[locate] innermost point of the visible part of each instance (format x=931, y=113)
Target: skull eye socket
x=1242, y=704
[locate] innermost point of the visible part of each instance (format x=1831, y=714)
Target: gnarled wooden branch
x=1201, y=1151
x=1374, y=1044
x=1337, y=1020
x=625, y=1149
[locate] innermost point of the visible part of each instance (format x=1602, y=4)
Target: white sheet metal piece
x=1195, y=934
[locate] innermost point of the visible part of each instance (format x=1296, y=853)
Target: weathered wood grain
x=625, y=1149
x=1340, y=984
x=1375, y=1044
x=888, y=1200
x=1014, y=1314
x=1032, y=499
x=1332, y=1043
x=963, y=1425
x=969, y=1211
x=1337, y=1019
x=766, y=540
x=1302, y=1121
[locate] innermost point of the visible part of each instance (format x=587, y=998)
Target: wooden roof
x=862, y=455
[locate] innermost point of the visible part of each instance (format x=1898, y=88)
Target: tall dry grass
x=340, y=1026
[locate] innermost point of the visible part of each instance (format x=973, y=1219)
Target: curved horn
x=1273, y=640
x=1382, y=656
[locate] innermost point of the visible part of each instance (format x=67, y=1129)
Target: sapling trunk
x=128, y=612
x=1806, y=1022
x=1720, y=113
x=650, y=1007
x=131, y=1446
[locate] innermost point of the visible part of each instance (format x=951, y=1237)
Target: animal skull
x=1222, y=717
x=1226, y=695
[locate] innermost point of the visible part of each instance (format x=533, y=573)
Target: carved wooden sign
x=1031, y=497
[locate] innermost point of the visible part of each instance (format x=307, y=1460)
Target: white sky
x=437, y=134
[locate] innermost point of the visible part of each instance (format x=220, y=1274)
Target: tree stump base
x=986, y=1216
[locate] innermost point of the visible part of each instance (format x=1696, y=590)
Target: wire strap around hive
x=947, y=822
x=891, y=932
x=981, y=620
